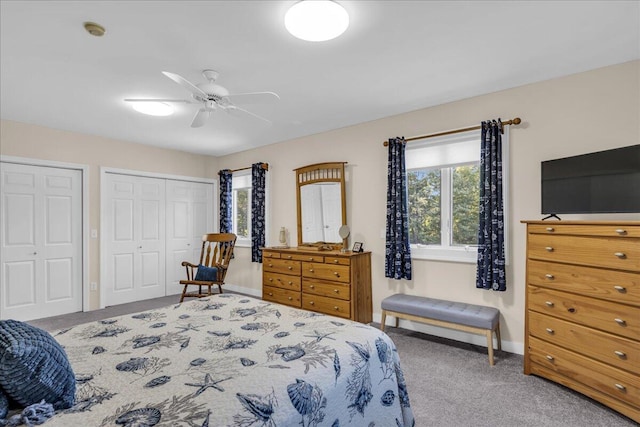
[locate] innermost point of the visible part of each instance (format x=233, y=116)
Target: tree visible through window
x=242, y=212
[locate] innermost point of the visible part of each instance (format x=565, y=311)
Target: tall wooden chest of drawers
x=582, y=320
x=330, y=282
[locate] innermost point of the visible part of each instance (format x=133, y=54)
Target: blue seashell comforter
x=230, y=360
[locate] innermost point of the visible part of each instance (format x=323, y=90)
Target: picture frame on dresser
x=582, y=300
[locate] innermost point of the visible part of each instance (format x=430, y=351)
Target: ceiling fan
x=212, y=96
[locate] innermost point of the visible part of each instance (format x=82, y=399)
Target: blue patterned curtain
x=226, y=226
x=397, y=263
x=258, y=202
x=491, y=266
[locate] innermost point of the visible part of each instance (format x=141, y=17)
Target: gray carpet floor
x=449, y=383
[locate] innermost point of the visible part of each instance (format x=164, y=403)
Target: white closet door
x=189, y=216
x=41, y=235
x=135, y=238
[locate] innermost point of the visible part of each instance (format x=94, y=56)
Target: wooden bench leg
x=490, y=345
x=498, y=337
x=383, y=320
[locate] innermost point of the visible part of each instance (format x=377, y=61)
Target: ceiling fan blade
x=157, y=100
x=254, y=97
x=201, y=116
x=195, y=90
x=232, y=109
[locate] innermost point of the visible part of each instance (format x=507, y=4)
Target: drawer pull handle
x=549, y=249
x=311, y=286
x=620, y=354
x=290, y=282
x=270, y=294
x=312, y=303
x=621, y=231
x=311, y=270
x=290, y=298
x=620, y=289
x=270, y=279
x=290, y=268
x=270, y=265
x=620, y=322
x=620, y=255
x=549, y=303
x=336, y=291
x=289, y=256
x=335, y=273
x=620, y=387
x=549, y=358
x=550, y=276
x=335, y=307
x=335, y=261
x=310, y=258
x=550, y=229
x=550, y=331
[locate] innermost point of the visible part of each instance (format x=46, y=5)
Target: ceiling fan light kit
x=316, y=20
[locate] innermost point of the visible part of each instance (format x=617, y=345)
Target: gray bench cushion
x=476, y=316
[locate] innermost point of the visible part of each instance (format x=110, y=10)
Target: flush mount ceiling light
x=153, y=108
x=316, y=20
x=94, y=29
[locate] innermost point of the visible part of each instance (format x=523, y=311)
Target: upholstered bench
x=472, y=318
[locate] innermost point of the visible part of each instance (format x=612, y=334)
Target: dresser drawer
x=283, y=266
x=339, y=273
x=337, y=260
x=608, y=348
x=283, y=281
x=623, y=254
x=269, y=255
x=611, y=285
x=335, y=307
x=604, y=230
x=282, y=296
x=619, y=319
x=612, y=381
x=308, y=257
x=327, y=289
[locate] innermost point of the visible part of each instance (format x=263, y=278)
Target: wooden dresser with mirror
x=582, y=314
x=320, y=274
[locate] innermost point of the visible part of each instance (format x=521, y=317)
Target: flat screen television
x=602, y=182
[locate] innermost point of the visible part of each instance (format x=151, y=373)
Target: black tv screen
x=602, y=182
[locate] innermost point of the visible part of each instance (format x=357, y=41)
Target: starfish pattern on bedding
x=208, y=382
x=319, y=336
x=189, y=327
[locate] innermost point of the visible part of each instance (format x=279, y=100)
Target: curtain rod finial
x=516, y=121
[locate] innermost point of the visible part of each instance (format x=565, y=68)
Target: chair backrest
x=217, y=250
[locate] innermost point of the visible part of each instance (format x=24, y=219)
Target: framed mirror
x=321, y=200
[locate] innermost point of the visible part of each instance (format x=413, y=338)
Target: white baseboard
x=242, y=290
x=479, y=340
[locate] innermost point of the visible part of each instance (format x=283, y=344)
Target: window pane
x=424, y=206
x=466, y=193
x=242, y=213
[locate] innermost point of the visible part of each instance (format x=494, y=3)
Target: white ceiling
x=396, y=56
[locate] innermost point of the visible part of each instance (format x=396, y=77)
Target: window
x=443, y=196
x=241, y=207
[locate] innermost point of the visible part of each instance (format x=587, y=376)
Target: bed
x=230, y=360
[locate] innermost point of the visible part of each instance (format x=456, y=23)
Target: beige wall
x=586, y=112
x=35, y=142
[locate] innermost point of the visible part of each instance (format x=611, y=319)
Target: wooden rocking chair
x=217, y=249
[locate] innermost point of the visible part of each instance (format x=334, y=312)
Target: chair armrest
x=188, y=264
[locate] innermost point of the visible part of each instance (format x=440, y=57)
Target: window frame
x=447, y=252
